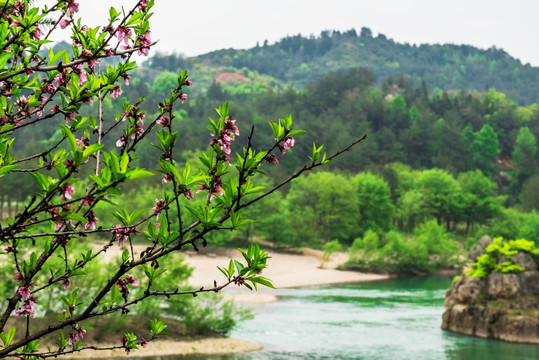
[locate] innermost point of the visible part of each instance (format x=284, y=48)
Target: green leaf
x=239, y=266
x=63, y=342
x=230, y=269
x=76, y=217
x=245, y=256
x=67, y=132
x=254, y=190
x=114, y=163
x=135, y=215
x=135, y=18
x=125, y=256
x=5, y=169
x=90, y=150
x=6, y=55
x=11, y=335
x=33, y=260
x=58, y=55
x=124, y=162
x=196, y=213
x=41, y=180
x=324, y=161
x=7, y=339
x=205, y=160
x=77, y=272
x=170, y=169
x=182, y=77
x=246, y=221
x=114, y=294
x=157, y=327
x=197, y=179
x=113, y=13
x=261, y=280
x=296, y=133
x=275, y=128
x=98, y=181
x=47, y=246
x=137, y=174
x=121, y=217
x=186, y=171
x=225, y=273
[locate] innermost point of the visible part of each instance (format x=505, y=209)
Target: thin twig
x=299, y=172
x=242, y=172
x=100, y=129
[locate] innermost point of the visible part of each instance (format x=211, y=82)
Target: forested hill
x=297, y=61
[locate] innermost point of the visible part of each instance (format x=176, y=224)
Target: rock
x=503, y=286
x=529, y=284
x=480, y=247
x=525, y=260
x=502, y=306
x=468, y=291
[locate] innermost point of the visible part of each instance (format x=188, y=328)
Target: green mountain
x=297, y=61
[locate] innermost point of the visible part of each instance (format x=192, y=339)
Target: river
x=393, y=319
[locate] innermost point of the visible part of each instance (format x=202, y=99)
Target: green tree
x=322, y=208
x=412, y=209
x=268, y=212
x=437, y=243
x=398, y=116
x=440, y=190
x=374, y=202
x=524, y=160
x=468, y=139
x=507, y=222
x=478, y=200
x=529, y=196
x=485, y=148
x=162, y=84
x=417, y=141
x=368, y=244
x=329, y=249
x=530, y=227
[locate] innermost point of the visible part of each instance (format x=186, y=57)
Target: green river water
x=394, y=319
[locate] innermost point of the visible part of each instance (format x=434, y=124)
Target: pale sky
x=196, y=27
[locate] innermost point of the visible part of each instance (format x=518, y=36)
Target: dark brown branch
x=56, y=354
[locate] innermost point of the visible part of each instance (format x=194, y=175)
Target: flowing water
x=394, y=319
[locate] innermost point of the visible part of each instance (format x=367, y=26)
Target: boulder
x=464, y=291
x=502, y=306
x=525, y=260
x=503, y=286
x=480, y=247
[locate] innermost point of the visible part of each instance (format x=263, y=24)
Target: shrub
x=489, y=262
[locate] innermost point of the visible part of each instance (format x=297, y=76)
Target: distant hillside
x=297, y=61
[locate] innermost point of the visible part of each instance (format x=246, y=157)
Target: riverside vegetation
x=439, y=170
x=466, y=160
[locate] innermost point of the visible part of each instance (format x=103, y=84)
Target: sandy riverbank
x=285, y=270
x=208, y=346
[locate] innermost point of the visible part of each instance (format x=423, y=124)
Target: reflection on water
x=394, y=319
